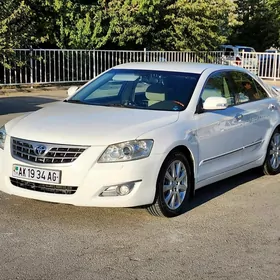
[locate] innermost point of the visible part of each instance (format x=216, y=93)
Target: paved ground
x=232, y=231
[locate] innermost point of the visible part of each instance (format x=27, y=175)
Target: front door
x=219, y=132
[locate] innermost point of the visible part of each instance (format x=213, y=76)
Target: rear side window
x=229, y=52
x=246, y=88
x=261, y=92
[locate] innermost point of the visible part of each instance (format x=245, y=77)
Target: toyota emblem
x=40, y=150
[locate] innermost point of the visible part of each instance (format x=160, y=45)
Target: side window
x=218, y=85
x=246, y=88
x=261, y=92
x=229, y=52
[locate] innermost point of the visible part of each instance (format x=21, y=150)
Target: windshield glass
x=139, y=89
x=246, y=50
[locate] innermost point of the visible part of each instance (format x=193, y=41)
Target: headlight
x=130, y=150
x=2, y=137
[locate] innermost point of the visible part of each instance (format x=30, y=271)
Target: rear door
x=257, y=113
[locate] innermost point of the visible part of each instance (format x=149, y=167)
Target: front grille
x=39, y=187
x=24, y=149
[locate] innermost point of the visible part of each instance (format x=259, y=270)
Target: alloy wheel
x=175, y=185
x=275, y=151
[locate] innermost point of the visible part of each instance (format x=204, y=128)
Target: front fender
x=172, y=136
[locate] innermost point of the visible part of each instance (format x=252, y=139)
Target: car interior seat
x=155, y=93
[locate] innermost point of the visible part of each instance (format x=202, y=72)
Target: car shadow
x=214, y=190
x=23, y=104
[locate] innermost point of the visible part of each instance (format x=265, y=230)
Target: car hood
x=78, y=124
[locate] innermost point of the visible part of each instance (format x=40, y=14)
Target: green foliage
x=129, y=24
x=274, y=9
x=164, y=24
x=10, y=32
x=137, y=24
x=21, y=25
x=200, y=25
x=260, y=24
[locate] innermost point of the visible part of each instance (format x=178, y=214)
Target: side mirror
x=276, y=88
x=215, y=103
x=71, y=91
x=273, y=90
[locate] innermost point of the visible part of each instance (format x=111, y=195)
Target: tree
x=274, y=8
x=22, y=23
x=127, y=24
x=12, y=34
x=260, y=27
x=167, y=24
x=200, y=24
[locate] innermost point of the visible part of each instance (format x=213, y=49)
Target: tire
x=167, y=202
x=271, y=164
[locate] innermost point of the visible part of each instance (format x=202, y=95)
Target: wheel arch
x=276, y=128
x=273, y=129
x=190, y=157
x=267, y=167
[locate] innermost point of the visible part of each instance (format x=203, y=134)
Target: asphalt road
x=231, y=232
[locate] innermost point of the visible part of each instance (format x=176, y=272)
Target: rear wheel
x=173, y=187
x=271, y=165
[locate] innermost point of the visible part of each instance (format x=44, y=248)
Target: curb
x=29, y=90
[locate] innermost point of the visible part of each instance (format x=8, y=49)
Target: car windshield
x=246, y=49
x=139, y=89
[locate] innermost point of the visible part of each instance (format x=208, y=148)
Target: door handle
x=238, y=117
x=271, y=107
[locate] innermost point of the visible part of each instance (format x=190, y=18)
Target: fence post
x=4, y=70
x=243, y=58
x=145, y=54
x=275, y=65
x=31, y=66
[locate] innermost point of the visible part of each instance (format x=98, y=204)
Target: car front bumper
x=90, y=178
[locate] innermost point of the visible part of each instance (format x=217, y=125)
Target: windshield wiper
x=119, y=105
x=75, y=101
x=101, y=104
x=115, y=105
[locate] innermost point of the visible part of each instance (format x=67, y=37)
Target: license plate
x=37, y=174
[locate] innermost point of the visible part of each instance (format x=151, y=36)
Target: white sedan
x=146, y=134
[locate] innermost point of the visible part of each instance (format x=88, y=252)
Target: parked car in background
x=143, y=134
x=240, y=56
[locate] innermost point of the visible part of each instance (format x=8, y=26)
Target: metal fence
x=46, y=66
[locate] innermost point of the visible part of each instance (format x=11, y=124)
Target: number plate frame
x=26, y=174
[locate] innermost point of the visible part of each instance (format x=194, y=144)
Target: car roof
x=244, y=47
x=237, y=46
x=187, y=67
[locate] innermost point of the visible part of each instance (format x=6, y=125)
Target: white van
x=242, y=56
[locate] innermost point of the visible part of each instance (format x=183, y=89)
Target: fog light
x=119, y=190
x=123, y=190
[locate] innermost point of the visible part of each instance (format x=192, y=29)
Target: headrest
x=156, y=92
x=156, y=88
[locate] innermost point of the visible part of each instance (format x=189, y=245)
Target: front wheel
x=173, y=187
x=271, y=164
